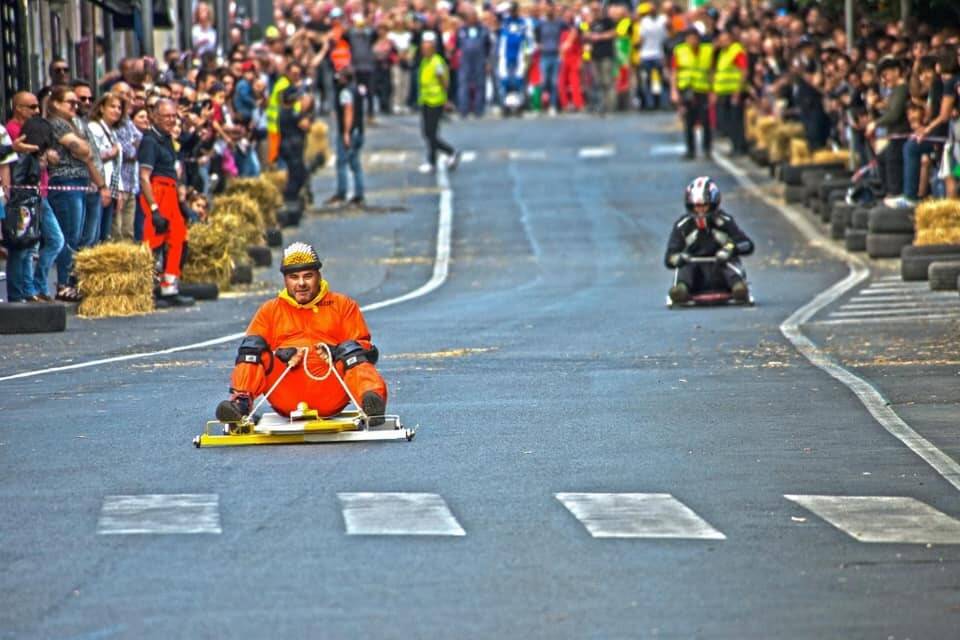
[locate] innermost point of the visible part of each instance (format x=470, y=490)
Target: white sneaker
x=453, y=161
x=426, y=167
x=553, y=112
x=169, y=285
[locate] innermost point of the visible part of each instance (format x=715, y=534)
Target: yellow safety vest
x=273, y=104
x=432, y=91
x=693, y=69
x=728, y=77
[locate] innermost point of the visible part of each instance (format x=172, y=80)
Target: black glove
x=160, y=224
x=285, y=353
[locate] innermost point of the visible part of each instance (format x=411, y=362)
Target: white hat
x=428, y=36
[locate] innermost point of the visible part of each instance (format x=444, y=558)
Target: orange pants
x=165, y=195
x=273, y=147
x=326, y=396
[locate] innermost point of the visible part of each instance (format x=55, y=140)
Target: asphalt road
x=598, y=466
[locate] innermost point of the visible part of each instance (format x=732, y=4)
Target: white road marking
x=388, y=157
x=441, y=268
x=884, y=519
x=872, y=399
x=872, y=313
x=527, y=154
x=901, y=305
x=597, y=152
x=160, y=514
x=933, y=296
x=878, y=291
x=886, y=319
x=668, y=150
x=398, y=514
x=637, y=515
x=468, y=156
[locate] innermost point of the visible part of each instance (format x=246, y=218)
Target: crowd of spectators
x=75, y=146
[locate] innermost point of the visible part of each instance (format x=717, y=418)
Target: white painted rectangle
x=884, y=519
x=667, y=149
x=388, y=157
x=879, y=312
x=873, y=320
x=637, y=515
x=597, y=152
x=527, y=154
x=933, y=304
x=398, y=514
x=468, y=156
x=160, y=513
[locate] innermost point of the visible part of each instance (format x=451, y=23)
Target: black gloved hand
x=160, y=224
x=285, y=353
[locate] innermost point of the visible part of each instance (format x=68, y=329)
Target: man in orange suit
x=290, y=331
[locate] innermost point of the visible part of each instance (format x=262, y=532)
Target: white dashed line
x=183, y=513
x=884, y=519
x=597, y=152
x=398, y=514
x=637, y=515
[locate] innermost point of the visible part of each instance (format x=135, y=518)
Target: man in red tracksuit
x=163, y=224
x=571, y=61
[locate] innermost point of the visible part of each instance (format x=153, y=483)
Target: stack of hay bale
x=317, y=149
x=780, y=137
x=215, y=253
x=935, y=254
x=267, y=192
x=115, y=279
x=764, y=127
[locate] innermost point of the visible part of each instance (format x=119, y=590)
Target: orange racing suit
x=331, y=318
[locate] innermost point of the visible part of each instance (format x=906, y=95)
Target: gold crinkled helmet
x=299, y=256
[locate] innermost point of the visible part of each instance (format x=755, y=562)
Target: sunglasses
x=85, y=98
x=32, y=107
x=73, y=103
x=61, y=69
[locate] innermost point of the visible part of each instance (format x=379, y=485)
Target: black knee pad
x=350, y=353
x=252, y=349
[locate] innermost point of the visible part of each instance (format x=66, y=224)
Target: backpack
x=21, y=225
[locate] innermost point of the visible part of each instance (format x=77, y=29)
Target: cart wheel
x=410, y=435
x=196, y=441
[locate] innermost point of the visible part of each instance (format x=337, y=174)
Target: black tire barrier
x=943, y=275
x=914, y=268
x=274, y=237
x=812, y=177
x=826, y=206
x=839, y=220
x=242, y=274
x=886, y=220
x=760, y=156
x=794, y=195
x=887, y=245
x=261, y=256
x=793, y=175
x=855, y=239
x=860, y=218
x=200, y=290
x=27, y=317
x=832, y=184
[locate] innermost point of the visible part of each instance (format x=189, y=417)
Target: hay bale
x=115, y=279
x=750, y=123
x=214, y=251
x=264, y=192
x=278, y=179
x=828, y=156
x=317, y=142
x=937, y=236
x=938, y=214
x=799, y=152
x=239, y=212
x=765, y=126
x=779, y=142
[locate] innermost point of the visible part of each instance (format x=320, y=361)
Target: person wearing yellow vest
x=690, y=88
x=729, y=81
x=289, y=77
x=434, y=78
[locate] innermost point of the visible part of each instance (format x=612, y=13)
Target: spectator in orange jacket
x=291, y=330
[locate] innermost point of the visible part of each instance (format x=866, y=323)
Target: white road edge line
x=441, y=269
x=872, y=399
x=888, y=319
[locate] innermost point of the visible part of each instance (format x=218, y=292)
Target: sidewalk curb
x=871, y=397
